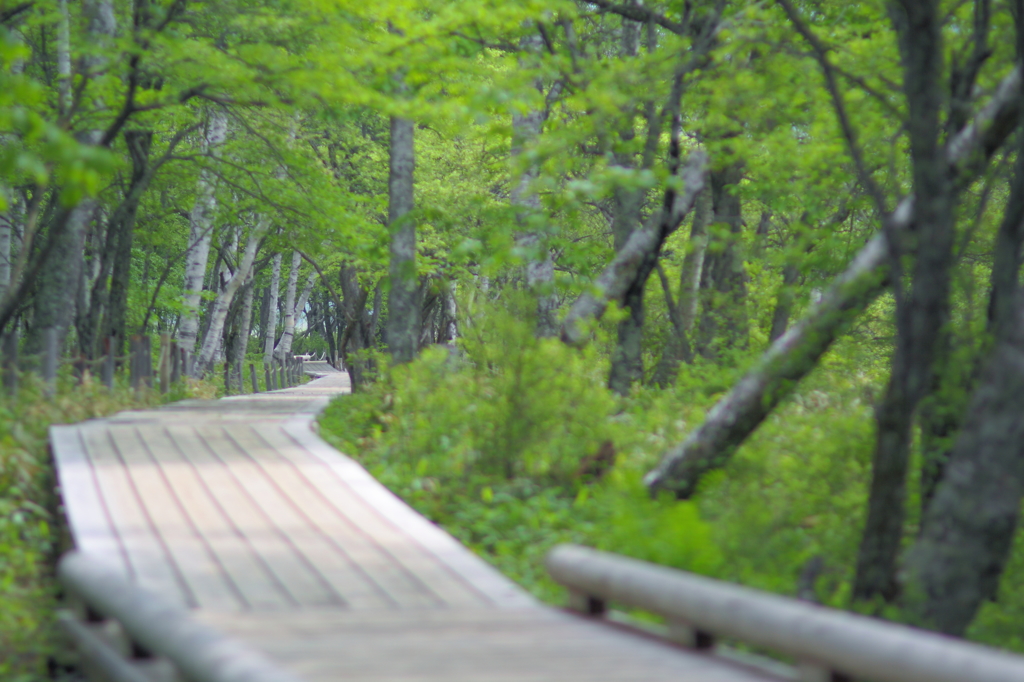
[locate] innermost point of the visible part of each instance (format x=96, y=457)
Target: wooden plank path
x=238, y=511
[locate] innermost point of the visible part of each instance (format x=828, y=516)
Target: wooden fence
x=126, y=634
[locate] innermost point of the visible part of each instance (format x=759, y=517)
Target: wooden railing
x=126, y=634
x=828, y=645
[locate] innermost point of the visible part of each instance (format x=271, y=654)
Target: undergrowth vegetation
x=501, y=443
x=30, y=523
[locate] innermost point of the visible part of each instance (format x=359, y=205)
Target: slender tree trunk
x=200, y=234
x=784, y=303
x=450, y=325
x=724, y=325
x=679, y=347
x=63, y=60
x=627, y=366
x=403, y=306
x=110, y=302
x=540, y=269
x=56, y=297
x=245, y=322
x=15, y=214
x=358, y=335
x=922, y=312
x=285, y=344
x=271, y=328
x=218, y=315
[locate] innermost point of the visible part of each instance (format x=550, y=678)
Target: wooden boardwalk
x=237, y=510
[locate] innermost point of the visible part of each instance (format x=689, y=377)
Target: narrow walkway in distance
x=236, y=509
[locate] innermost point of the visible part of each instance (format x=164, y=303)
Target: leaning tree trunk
x=200, y=234
x=221, y=305
x=635, y=260
x=285, y=344
x=797, y=352
x=403, y=306
x=272, y=305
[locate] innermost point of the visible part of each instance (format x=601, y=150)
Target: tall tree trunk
x=679, y=348
x=540, y=269
x=922, y=312
x=724, y=324
x=200, y=233
x=968, y=529
x=450, y=324
x=245, y=321
x=221, y=305
x=271, y=328
x=359, y=328
x=15, y=214
x=627, y=366
x=110, y=302
x=56, y=296
x=403, y=306
x=285, y=344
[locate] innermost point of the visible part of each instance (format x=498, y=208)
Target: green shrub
x=488, y=444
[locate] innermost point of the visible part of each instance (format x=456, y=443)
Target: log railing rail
x=828, y=644
x=128, y=634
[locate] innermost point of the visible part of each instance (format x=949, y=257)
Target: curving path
x=237, y=510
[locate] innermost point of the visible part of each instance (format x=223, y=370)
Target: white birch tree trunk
x=221, y=305
x=63, y=59
x=285, y=344
x=15, y=213
x=199, y=237
x=271, y=332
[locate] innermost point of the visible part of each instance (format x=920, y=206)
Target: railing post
x=50, y=360
x=280, y=375
x=252, y=375
x=10, y=362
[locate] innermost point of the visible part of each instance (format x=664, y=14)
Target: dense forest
x=731, y=286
